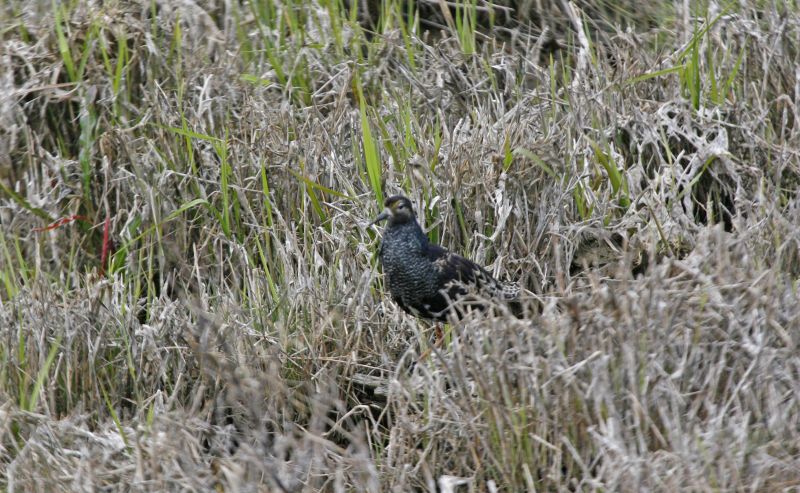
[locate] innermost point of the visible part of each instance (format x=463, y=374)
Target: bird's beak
x=381, y=217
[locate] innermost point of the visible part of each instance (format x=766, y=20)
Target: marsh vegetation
x=190, y=298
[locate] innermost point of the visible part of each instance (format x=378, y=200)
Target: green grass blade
x=371, y=156
x=63, y=43
x=42, y=375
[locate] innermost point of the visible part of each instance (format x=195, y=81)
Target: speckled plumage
x=425, y=279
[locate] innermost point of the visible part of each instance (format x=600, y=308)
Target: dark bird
x=427, y=280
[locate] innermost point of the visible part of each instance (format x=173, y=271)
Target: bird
x=427, y=280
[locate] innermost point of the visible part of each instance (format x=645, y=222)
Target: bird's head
x=397, y=210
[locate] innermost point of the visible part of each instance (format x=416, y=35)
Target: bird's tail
x=509, y=293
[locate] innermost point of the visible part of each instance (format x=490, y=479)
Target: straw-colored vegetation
x=190, y=299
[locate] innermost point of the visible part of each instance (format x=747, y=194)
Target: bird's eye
x=401, y=206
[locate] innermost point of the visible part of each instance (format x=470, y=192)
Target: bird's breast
x=408, y=273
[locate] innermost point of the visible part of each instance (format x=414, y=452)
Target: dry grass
x=189, y=299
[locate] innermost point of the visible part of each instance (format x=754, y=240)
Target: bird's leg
x=438, y=340
x=438, y=336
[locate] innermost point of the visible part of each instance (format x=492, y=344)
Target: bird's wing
x=455, y=272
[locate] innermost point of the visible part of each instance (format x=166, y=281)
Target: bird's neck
x=408, y=231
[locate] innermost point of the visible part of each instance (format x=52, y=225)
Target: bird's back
x=463, y=282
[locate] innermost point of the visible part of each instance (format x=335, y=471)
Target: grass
x=190, y=299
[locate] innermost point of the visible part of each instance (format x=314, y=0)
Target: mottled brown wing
x=458, y=275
